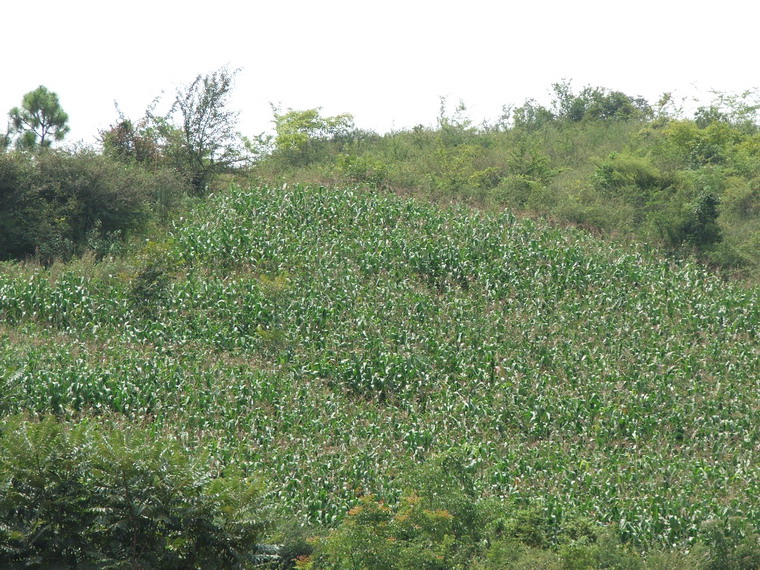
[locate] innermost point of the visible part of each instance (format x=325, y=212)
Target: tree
x=127, y=142
x=205, y=142
x=531, y=116
x=596, y=103
x=5, y=139
x=300, y=134
x=40, y=120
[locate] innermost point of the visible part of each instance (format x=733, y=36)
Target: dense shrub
x=733, y=545
x=56, y=203
x=76, y=495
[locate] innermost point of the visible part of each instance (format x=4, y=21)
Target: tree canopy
x=208, y=140
x=40, y=120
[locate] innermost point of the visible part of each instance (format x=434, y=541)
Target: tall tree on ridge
x=40, y=120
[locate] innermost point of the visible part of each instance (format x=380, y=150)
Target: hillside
x=330, y=341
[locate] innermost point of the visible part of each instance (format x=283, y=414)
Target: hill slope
x=329, y=339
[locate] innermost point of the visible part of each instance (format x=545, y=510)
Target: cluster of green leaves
x=328, y=340
x=38, y=122
x=59, y=204
x=79, y=495
x=197, y=136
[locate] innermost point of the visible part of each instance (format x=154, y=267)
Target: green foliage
x=363, y=169
x=635, y=182
x=447, y=483
x=456, y=128
x=40, y=120
x=733, y=544
x=14, y=172
x=740, y=110
x=636, y=175
x=513, y=555
x=591, y=104
x=5, y=140
x=377, y=536
x=207, y=141
x=596, y=158
x=599, y=548
x=58, y=203
x=196, y=139
x=596, y=104
x=418, y=533
x=531, y=116
x=437, y=523
x=503, y=394
x=301, y=135
x=528, y=172
x=150, y=287
x=455, y=169
x=527, y=526
x=41, y=506
x=127, y=142
x=294, y=544
x=603, y=551
x=339, y=343
x=693, y=147
x=329, y=338
x=77, y=495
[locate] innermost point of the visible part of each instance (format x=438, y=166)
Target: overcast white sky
x=387, y=63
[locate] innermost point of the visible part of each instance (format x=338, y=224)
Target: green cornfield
x=326, y=340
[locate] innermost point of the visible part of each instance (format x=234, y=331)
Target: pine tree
x=40, y=120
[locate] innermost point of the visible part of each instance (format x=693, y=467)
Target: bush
x=509, y=554
x=362, y=169
x=18, y=212
x=623, y=174
x=733, y=545
x=75, y=495
x=57, y=203
x=376, y=536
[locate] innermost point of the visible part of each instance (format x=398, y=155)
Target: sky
x=387, y=63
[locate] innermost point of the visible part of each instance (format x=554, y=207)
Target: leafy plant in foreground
x=80, y=495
